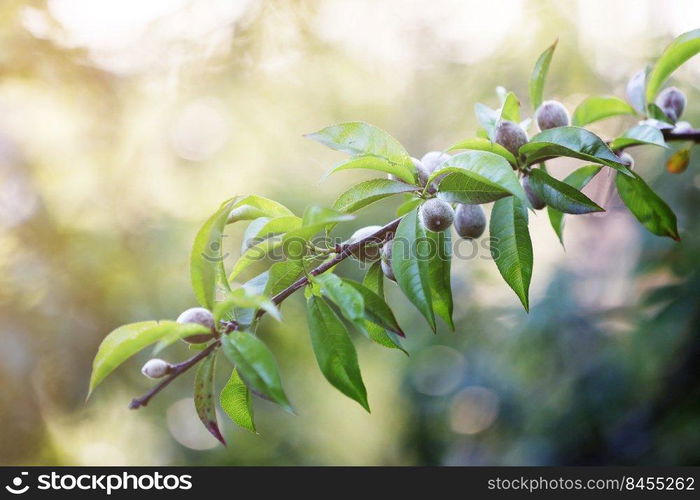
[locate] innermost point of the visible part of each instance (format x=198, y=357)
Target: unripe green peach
x=436, y=214
x=511, y=136
x=386, y=260
x=536, y=202
x=156, y=368
x=470, y=221
x=672, y=102
x=552, y=114
x=627, y=160
x=199, y=316
x=371, y=250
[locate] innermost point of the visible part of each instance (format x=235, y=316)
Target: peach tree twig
x=381, y=235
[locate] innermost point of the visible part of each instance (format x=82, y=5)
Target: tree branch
x=380, y=236
x=384, y=234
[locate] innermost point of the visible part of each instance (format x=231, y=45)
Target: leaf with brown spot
x=203, y=396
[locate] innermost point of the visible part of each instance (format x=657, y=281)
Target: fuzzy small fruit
x=511, y=136
x=371, y=250
x=422, y=172
x=434, y=160
x=436, y=215
x=552, y=114
x=536, y=202
x=672, y=102
x=199, y=316
x=386, y=260
x=470, y=221
x=156, y=368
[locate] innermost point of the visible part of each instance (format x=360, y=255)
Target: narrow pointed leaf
x=335, y=353
x=365, y=193
x=573, y=142
x=374, y=281
x=348, y=300
x=407, y=206
x=596, y=108
x=511, y=247
x=439, y=275
x=511, y=108
x=487, y=118
x=539, y=75
x=235, y=400
x=647, y=206
x=560, y=195
x=376, y=309
x=380, y=164
x=204, y=396
x=122, y=343
x=638, y=135
x=364, y=140
x=477, y=177
x=481, y=144
x=410, y=265
x=679, y=51
x=253, y=207
x=578, y=179
x=256, y=365
x=207, y=260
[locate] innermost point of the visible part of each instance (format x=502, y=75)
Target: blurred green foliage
x=124, y=125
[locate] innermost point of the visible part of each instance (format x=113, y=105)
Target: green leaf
x=253, y=207
x=365, y=140
x=367, y=192
x=376, y=310
x=636, y=88
x=374, y=282
x=511, y=247
x=254, y=254
x=679, y=51
x=487, y=118
x=539, y=75
x=640, y=134
x=369, y=162
x=244, y=299
x=481, y=144
x=203, y=396
x=439, y=275
x=597, y=108
x=264, y=227
x=411, y=271
x=407, y=206
x=477, y=177
x=235, y=400
x=647, y=206
x=578, y=179
x=315, y=219
x=348, y=300
x=511, y=108
x=256, y=365
x=283, y=274
x=206, y=260
x=122, y=343
x=573, y=142
x=334, y=351
x=560, y=195
x=175, y=332
x=654, y=112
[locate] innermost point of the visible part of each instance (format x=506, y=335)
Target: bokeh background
x=124, y=123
